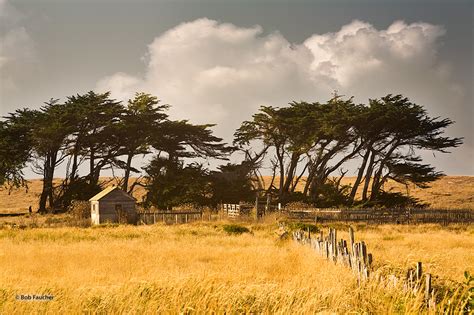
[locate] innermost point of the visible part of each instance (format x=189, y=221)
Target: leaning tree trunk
x=360, y=174
x=48, y=174
x=127, y=172
x=368, y=176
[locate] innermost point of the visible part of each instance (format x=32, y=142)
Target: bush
x=298, y=205
x=235, y=229
x=393, y=200
x=80, y=209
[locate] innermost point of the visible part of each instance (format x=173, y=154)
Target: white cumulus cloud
x=212, y=72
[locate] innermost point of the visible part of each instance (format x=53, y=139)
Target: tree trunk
x=368, y=175
x=295, y=183
x=48, y=175
x=280, y=157
x=44, y=192
x=74, y=168
x=360, y=174
x=376, y=184
x=291, y=170
x=309, y=179
x=91, y=166
x=127, y=172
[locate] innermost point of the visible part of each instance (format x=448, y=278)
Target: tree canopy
x=307, y=146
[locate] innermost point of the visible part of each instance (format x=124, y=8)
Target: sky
x=218, y=61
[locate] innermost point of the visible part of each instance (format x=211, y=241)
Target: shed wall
x=107, y=212
x=95, y=212
x=104, y=210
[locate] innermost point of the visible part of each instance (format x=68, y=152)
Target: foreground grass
x=200, y=267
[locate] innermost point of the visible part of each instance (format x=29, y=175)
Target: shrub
x=80, y=209
x=298, y=205
x=235, y=229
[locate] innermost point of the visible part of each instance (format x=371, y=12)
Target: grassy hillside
x=454, y=192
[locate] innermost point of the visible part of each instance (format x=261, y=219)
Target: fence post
x=419, y=271
x=176, y=218
x=428, y=288
x=267, y=205
x=256, y=207
x=351, y=236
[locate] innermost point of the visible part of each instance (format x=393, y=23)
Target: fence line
x=169, y=217
x=349, y=254
x=379, y=216
x=354, y=255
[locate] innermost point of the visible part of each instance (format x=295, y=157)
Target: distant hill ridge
x=456, y=192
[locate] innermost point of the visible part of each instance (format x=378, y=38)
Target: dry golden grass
x=199, y=268
x=452, y=192
x=444, y=251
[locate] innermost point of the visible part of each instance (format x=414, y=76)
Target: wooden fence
x=380, y=216
x=350, y=254
x=233, y=211
x=356, y=257
x=169, y=217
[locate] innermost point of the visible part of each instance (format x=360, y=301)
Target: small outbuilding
x=113, y=205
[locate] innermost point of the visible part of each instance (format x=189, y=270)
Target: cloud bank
x=212, y=72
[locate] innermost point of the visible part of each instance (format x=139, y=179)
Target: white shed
x=113, y=205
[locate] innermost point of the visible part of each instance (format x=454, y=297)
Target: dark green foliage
x=171, y=183
x=169, y=180
x=96, y=137
x=181, y=139
x=139, y=124
x=318, y=138
x=15, y=149
x=235, y=229
x=79, y=189
x=308, y=135
x=331, y=194
x=392, y=200
x=232, y=183
x=312, y=140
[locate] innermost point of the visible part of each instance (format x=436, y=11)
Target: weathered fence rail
x=169, y=217
x=354, y=255
x=380, y=216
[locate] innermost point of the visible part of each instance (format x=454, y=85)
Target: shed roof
x=107, y=191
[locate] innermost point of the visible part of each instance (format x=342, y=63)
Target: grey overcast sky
x=218, y=61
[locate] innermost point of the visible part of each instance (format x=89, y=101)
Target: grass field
x=198, y=267
x=453, y=192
